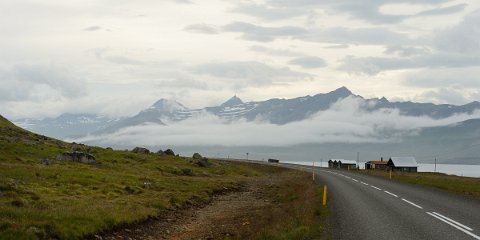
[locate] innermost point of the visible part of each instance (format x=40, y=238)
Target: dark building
x=376, y=165
x=272, y=160
x=403, y=164
x=342, y=164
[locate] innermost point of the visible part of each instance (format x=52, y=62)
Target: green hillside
x=70, y=200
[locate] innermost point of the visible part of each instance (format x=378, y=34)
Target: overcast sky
x=116, y=57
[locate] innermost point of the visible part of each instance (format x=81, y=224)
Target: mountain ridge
x=276, y=111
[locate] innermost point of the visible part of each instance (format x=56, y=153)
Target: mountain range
x=275, y=111
x=451, y=139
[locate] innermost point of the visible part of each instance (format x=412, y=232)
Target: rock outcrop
x=141, y=150
x=169, y=152
x=202, y=162
x=46, y=161
x=76, y=157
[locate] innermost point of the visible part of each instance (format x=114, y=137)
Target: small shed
x=272, y=160
x=403, y=164
x=376, y=165
x=342, y=163
x=334, y=163
x=348, y=164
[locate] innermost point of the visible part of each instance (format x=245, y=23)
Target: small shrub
x=18, y=202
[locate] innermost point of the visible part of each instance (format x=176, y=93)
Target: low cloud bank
x=347, y=121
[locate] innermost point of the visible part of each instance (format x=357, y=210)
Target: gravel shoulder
x=261, y=208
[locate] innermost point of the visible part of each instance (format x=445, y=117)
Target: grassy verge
x=466, y=186
x=297, y=213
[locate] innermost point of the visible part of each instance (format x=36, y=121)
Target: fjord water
x=451, y=169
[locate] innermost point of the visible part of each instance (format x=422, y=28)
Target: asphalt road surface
x=370, y=207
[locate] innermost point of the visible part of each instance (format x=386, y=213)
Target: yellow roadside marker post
x=390, y=173
x=313, y=171
x=324, y=195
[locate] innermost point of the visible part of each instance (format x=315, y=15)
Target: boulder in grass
x=169, y=152
x=76, y=147
x=202, y=162
x=140, y=150
x=76, y=157
x=187, y=172
x=197, y=156
x=160, y=153
x=46, y=161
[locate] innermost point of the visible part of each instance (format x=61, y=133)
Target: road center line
x=353, y=179
x=411, y=203
x=453, y=221
x=453, y=225
x=387, y=192
x=376, y=187
x=364, y=183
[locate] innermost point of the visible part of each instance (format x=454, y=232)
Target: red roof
x=378, y=162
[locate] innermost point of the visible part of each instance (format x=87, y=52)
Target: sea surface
x=451, y=169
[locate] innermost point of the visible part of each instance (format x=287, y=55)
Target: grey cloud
x=365, y=10
x=244, y=74
x=463, y=38
x=375, y=65
x=202, y=28
x=92, y=28
x=309, y=62
x=183, y=1
x=106, y=55
x=341, y=35
x=269, y=13
x=445, y=77
x=337, y=35
x=122, y=60
x=406, y=51
x=263, y=34
x=446, y=95
x=338, y=46
x=444, y=10
x=275, y=52
x=24, y=82
x=183, y=82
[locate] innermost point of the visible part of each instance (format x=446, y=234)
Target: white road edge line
x=353, y=179
x=376, y=187
x=411, y=203
x=387, y=192
x=364, y=183
x=453, y=225
x=453, y=221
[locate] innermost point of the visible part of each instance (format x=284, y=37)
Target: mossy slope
x=70, y=200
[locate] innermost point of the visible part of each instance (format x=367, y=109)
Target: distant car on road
x=272, y=160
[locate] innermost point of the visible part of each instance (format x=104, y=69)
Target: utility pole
x=358, y=160
x=435, y=165
x=321, y=162
x=247, y=155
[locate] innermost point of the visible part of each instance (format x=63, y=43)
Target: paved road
x=370, y=207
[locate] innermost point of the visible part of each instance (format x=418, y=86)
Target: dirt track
x=268, y=205
x=232, y=215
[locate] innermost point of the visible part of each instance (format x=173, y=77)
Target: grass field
x=70, y=200
x=466, y=186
